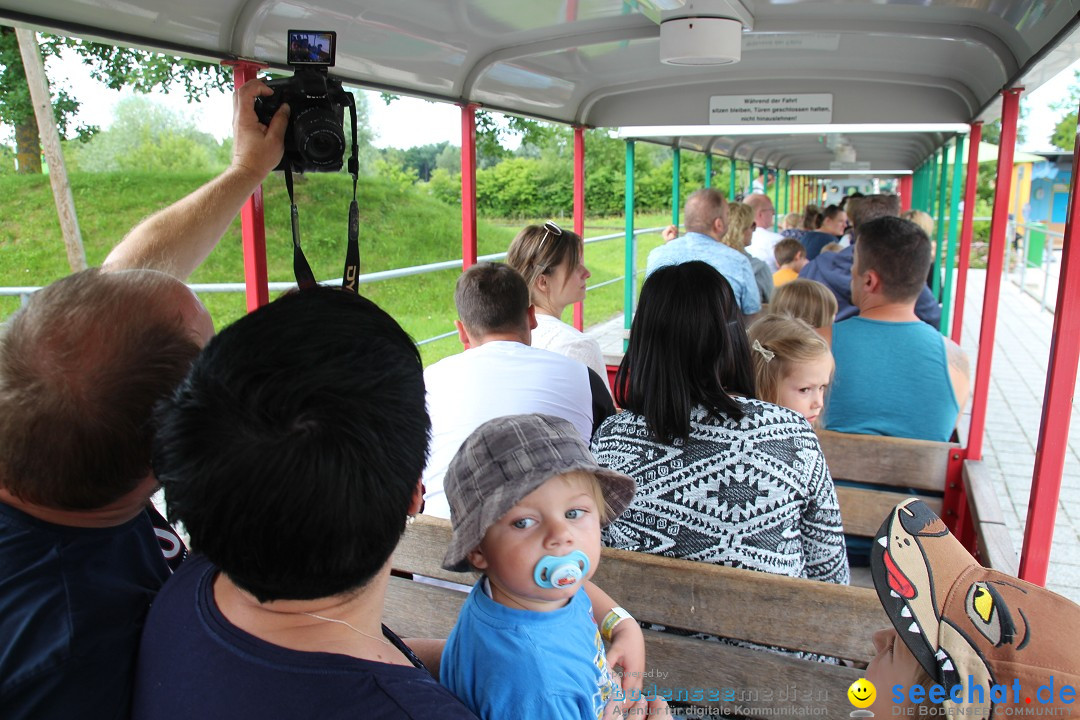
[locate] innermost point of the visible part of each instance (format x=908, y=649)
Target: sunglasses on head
x=550, y=228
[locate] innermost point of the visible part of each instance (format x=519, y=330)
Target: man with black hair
x=292, y=454
x=500, y=373
x=834, y=269
x=895, y=375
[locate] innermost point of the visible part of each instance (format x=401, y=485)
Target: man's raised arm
x=177, y=239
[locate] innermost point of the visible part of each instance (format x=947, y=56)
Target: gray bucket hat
x=504, y=460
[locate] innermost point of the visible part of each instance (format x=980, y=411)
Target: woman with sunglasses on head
x=551, y=260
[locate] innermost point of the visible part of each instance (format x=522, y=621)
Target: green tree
x=116, y=67
x=1064, y=136
x=147, y=137
x=424, y=158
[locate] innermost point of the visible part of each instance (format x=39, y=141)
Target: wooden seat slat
x=863, y=510
x=740, y=678
x=896, y=462
x=994, y=542
x=729, y=602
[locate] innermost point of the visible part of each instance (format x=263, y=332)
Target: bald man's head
x=706, y=213
x=81, y=368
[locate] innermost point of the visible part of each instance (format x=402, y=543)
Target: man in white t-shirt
x=500, y=374
x=764, y=239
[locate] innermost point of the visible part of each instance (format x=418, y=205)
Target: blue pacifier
x=561, y=571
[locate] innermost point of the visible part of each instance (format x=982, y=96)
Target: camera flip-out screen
x=308, y=47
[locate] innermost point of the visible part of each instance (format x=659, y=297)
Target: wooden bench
x=932, y=471
x=742, y=604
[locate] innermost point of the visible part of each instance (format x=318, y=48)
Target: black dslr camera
x=315, y=138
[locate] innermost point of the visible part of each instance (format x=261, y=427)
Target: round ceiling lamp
x=700, y=41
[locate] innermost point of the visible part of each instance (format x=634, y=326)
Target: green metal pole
x=731, y=179
x=776, y=201
x=943, y=186
x=954, y=224
x=765, y=180
x=932, y=184
x=676, y=163
x=628, y=249
x=916, y=187
x=750, y=174
x=708, y=169
x=787, y=192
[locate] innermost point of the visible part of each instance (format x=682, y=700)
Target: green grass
x=398, y=228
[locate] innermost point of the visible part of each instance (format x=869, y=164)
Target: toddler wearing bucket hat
x=527, y=501
x=969, y=640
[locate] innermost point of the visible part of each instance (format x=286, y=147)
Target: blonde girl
x=792, y=364
x=807, y=300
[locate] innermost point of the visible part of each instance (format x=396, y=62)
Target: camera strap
x=351, y=272
x=305, y=279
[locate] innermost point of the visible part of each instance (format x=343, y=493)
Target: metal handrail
x=1022, y=260
x=25, y=292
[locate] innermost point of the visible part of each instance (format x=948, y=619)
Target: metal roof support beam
x=966, y=229
x=1010, y=110
x=252, y=227
x=468, y=186
x=1057, y=406
x=954, y=222
x=708, y=169
x=579, y=209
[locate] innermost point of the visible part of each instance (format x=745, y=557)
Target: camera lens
x=320, y=139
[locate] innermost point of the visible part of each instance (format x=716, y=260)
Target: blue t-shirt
x=891, y=379
x=72, y=603
x=509, y=663
x=194, y=663
x=732, y=264
x=814, y=240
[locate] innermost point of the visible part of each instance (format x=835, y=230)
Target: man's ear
x=476, y=559
x=872, y=281
x=462, y=333
x=719, y=226
x=416, y=502
x=532, y=318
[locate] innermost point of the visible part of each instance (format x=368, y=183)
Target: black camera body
x=315, y=137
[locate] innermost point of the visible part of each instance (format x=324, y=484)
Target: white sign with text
x=770, y=109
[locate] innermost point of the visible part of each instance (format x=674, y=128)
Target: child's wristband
x=613, y=618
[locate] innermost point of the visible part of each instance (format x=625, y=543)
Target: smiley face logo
x=862, y=693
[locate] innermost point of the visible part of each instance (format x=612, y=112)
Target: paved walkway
x=1021, y=352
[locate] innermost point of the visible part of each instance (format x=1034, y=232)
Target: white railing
x=1017, y=251
x=24, y=293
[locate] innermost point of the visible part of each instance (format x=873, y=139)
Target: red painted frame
x=579, y=207
x=1010, y=110
x=468, y=186
x=905, y=193
x=252, y=227
x=964, y=251
x=1058, y=402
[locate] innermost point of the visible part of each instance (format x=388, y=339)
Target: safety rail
x=25, y=292
x=1018, y=253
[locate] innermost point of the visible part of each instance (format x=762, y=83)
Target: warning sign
x=770, y=109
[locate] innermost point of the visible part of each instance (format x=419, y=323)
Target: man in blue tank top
x=895, y=375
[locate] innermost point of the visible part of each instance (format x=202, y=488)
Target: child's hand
x=628, y=652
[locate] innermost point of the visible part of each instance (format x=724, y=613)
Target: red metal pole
x=1058, y=403
x=579, y=207
x=964, y=251
x=252, y=228
x=905, y=193
x=468, y=186
x=1010, y=109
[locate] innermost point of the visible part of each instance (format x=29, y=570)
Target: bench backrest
x=741, y=604
x=896, y=468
